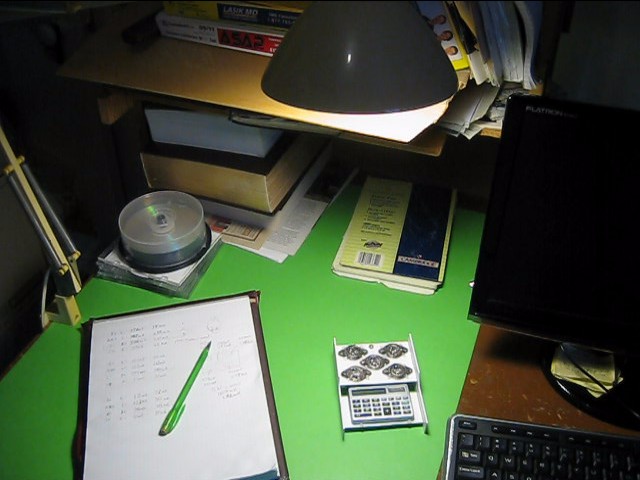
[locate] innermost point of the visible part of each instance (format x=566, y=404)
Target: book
x=440, y=20
x=507, y=37
x=274, y=14
x=213, y=130
x=480, y=71
x=134, y=368
x=398, y=235
x=493, y=67
x=257, y=39
x=461, y=17
x=530, y=12
x=254, y=183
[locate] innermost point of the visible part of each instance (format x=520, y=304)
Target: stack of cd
x=165, y=245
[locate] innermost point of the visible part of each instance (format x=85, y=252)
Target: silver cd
x=162, y=229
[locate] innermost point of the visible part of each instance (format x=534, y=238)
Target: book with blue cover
x=398, y=235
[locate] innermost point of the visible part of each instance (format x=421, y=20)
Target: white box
x=209, y=130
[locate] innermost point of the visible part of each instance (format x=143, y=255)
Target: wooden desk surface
x=506, y=380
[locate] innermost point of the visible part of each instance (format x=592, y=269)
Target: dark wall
x=53, y=122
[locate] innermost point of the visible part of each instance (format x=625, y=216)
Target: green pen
x=171, y=420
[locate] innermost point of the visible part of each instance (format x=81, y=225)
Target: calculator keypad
x=379, y=404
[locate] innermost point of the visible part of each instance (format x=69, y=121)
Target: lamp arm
x=54, y=259
x=39, y=211
x=68, y=246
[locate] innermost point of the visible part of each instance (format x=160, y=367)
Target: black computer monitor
x=559, y=253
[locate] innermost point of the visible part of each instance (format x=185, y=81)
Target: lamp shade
x=360, y=57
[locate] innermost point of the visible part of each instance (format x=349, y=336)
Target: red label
x=248, y=41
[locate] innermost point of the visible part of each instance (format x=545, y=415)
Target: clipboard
x=100, y=422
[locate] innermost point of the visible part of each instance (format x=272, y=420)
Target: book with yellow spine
x=398, y=235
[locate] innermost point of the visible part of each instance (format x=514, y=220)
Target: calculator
x=380, y=403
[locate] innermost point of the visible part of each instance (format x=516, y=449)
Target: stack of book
x=497, y=49
x=253, y=27
x=252, y=182
x=496, y=41
x=398, y=235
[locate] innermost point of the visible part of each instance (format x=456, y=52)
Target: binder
x=133, y=366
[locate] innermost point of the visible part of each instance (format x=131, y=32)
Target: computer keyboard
x=494, y=449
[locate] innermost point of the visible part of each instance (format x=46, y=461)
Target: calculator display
x=368, y=391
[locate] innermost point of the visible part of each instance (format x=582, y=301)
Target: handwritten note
x=138, y=365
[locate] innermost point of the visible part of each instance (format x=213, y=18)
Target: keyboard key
x=465, y=471
x=466, y=440
x=516, y=447
x=492, y=459
x=467, y=425
x=499, y=445
x=470, y=457
x=483, y=442
x=509, y=462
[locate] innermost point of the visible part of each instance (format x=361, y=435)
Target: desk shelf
x=197, y=76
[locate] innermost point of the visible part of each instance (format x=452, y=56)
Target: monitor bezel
x=557, y=327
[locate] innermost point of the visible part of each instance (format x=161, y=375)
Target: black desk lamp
x=360, y=58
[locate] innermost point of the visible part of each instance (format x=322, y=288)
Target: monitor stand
x=620, y=406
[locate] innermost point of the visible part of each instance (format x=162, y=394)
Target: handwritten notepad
x=138, y=363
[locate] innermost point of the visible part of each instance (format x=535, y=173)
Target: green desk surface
x=303, y=307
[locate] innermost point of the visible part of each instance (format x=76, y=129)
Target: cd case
x=176, y=283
